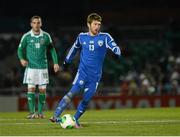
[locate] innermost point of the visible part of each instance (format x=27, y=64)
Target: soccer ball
x=67, y=121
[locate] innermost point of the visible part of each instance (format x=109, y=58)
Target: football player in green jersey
x=32, y=53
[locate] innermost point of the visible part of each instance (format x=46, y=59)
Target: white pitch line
x=134, y=121
x=14, y=119
x=11, y=124
x=99, y=122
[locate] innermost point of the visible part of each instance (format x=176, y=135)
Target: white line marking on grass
x=133, y=121
x=14, y=119
x=11, y=124
x=97, y=122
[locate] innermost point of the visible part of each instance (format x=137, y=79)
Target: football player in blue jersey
x=93, y=46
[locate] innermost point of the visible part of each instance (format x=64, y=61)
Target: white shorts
x=36, y=76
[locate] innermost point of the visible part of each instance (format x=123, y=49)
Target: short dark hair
x=93, y=16
x=35, y=17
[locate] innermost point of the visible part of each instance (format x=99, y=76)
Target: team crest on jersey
x=42, y=41
x=100, y=43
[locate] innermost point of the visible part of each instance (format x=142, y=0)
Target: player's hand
x=24, y=63
x=64, y=66
x=56, y=68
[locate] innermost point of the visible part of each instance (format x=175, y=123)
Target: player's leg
x=89, y=91
x=31, y=101
x=41, y=100
x=29, y=77
x=42, y=81
x=78, y=84
x=64, y=102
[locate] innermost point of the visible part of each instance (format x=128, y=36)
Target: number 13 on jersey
x=91, y=47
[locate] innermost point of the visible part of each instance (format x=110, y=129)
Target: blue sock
x=81, y=109
x=66, y=100
x=61, y=106
x=78, y=114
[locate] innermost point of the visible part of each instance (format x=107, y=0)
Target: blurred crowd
x=148, y=65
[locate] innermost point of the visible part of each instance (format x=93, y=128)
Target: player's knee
x=71, y=94
x=42, y=90
x=67, y=98
x=31, y=89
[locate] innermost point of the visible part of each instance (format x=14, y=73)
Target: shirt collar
x=33, y=35
x=94, y=35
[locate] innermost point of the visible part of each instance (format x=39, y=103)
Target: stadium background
x=148, y=33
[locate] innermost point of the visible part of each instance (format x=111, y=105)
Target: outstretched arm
x=110, y=43
x=72, y=52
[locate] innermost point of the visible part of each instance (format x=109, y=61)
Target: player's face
x=94, y=27
x=36, y=25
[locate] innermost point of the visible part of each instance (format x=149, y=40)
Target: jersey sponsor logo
x=100, y=43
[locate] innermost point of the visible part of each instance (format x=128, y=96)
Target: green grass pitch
x=117, y=122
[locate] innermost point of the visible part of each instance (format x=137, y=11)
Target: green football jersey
x=33, y=48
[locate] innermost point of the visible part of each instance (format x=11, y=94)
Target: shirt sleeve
x=49, y=39
x=22, y=45
x=53, y=54
x=111, y=44
x=72, y=52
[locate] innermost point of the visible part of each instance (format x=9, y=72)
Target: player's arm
x=20, y=52
x=110, y=44
x=54, y=57
x=72, y=52
x=53, y=54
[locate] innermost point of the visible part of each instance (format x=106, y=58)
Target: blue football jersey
x=92, y=52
